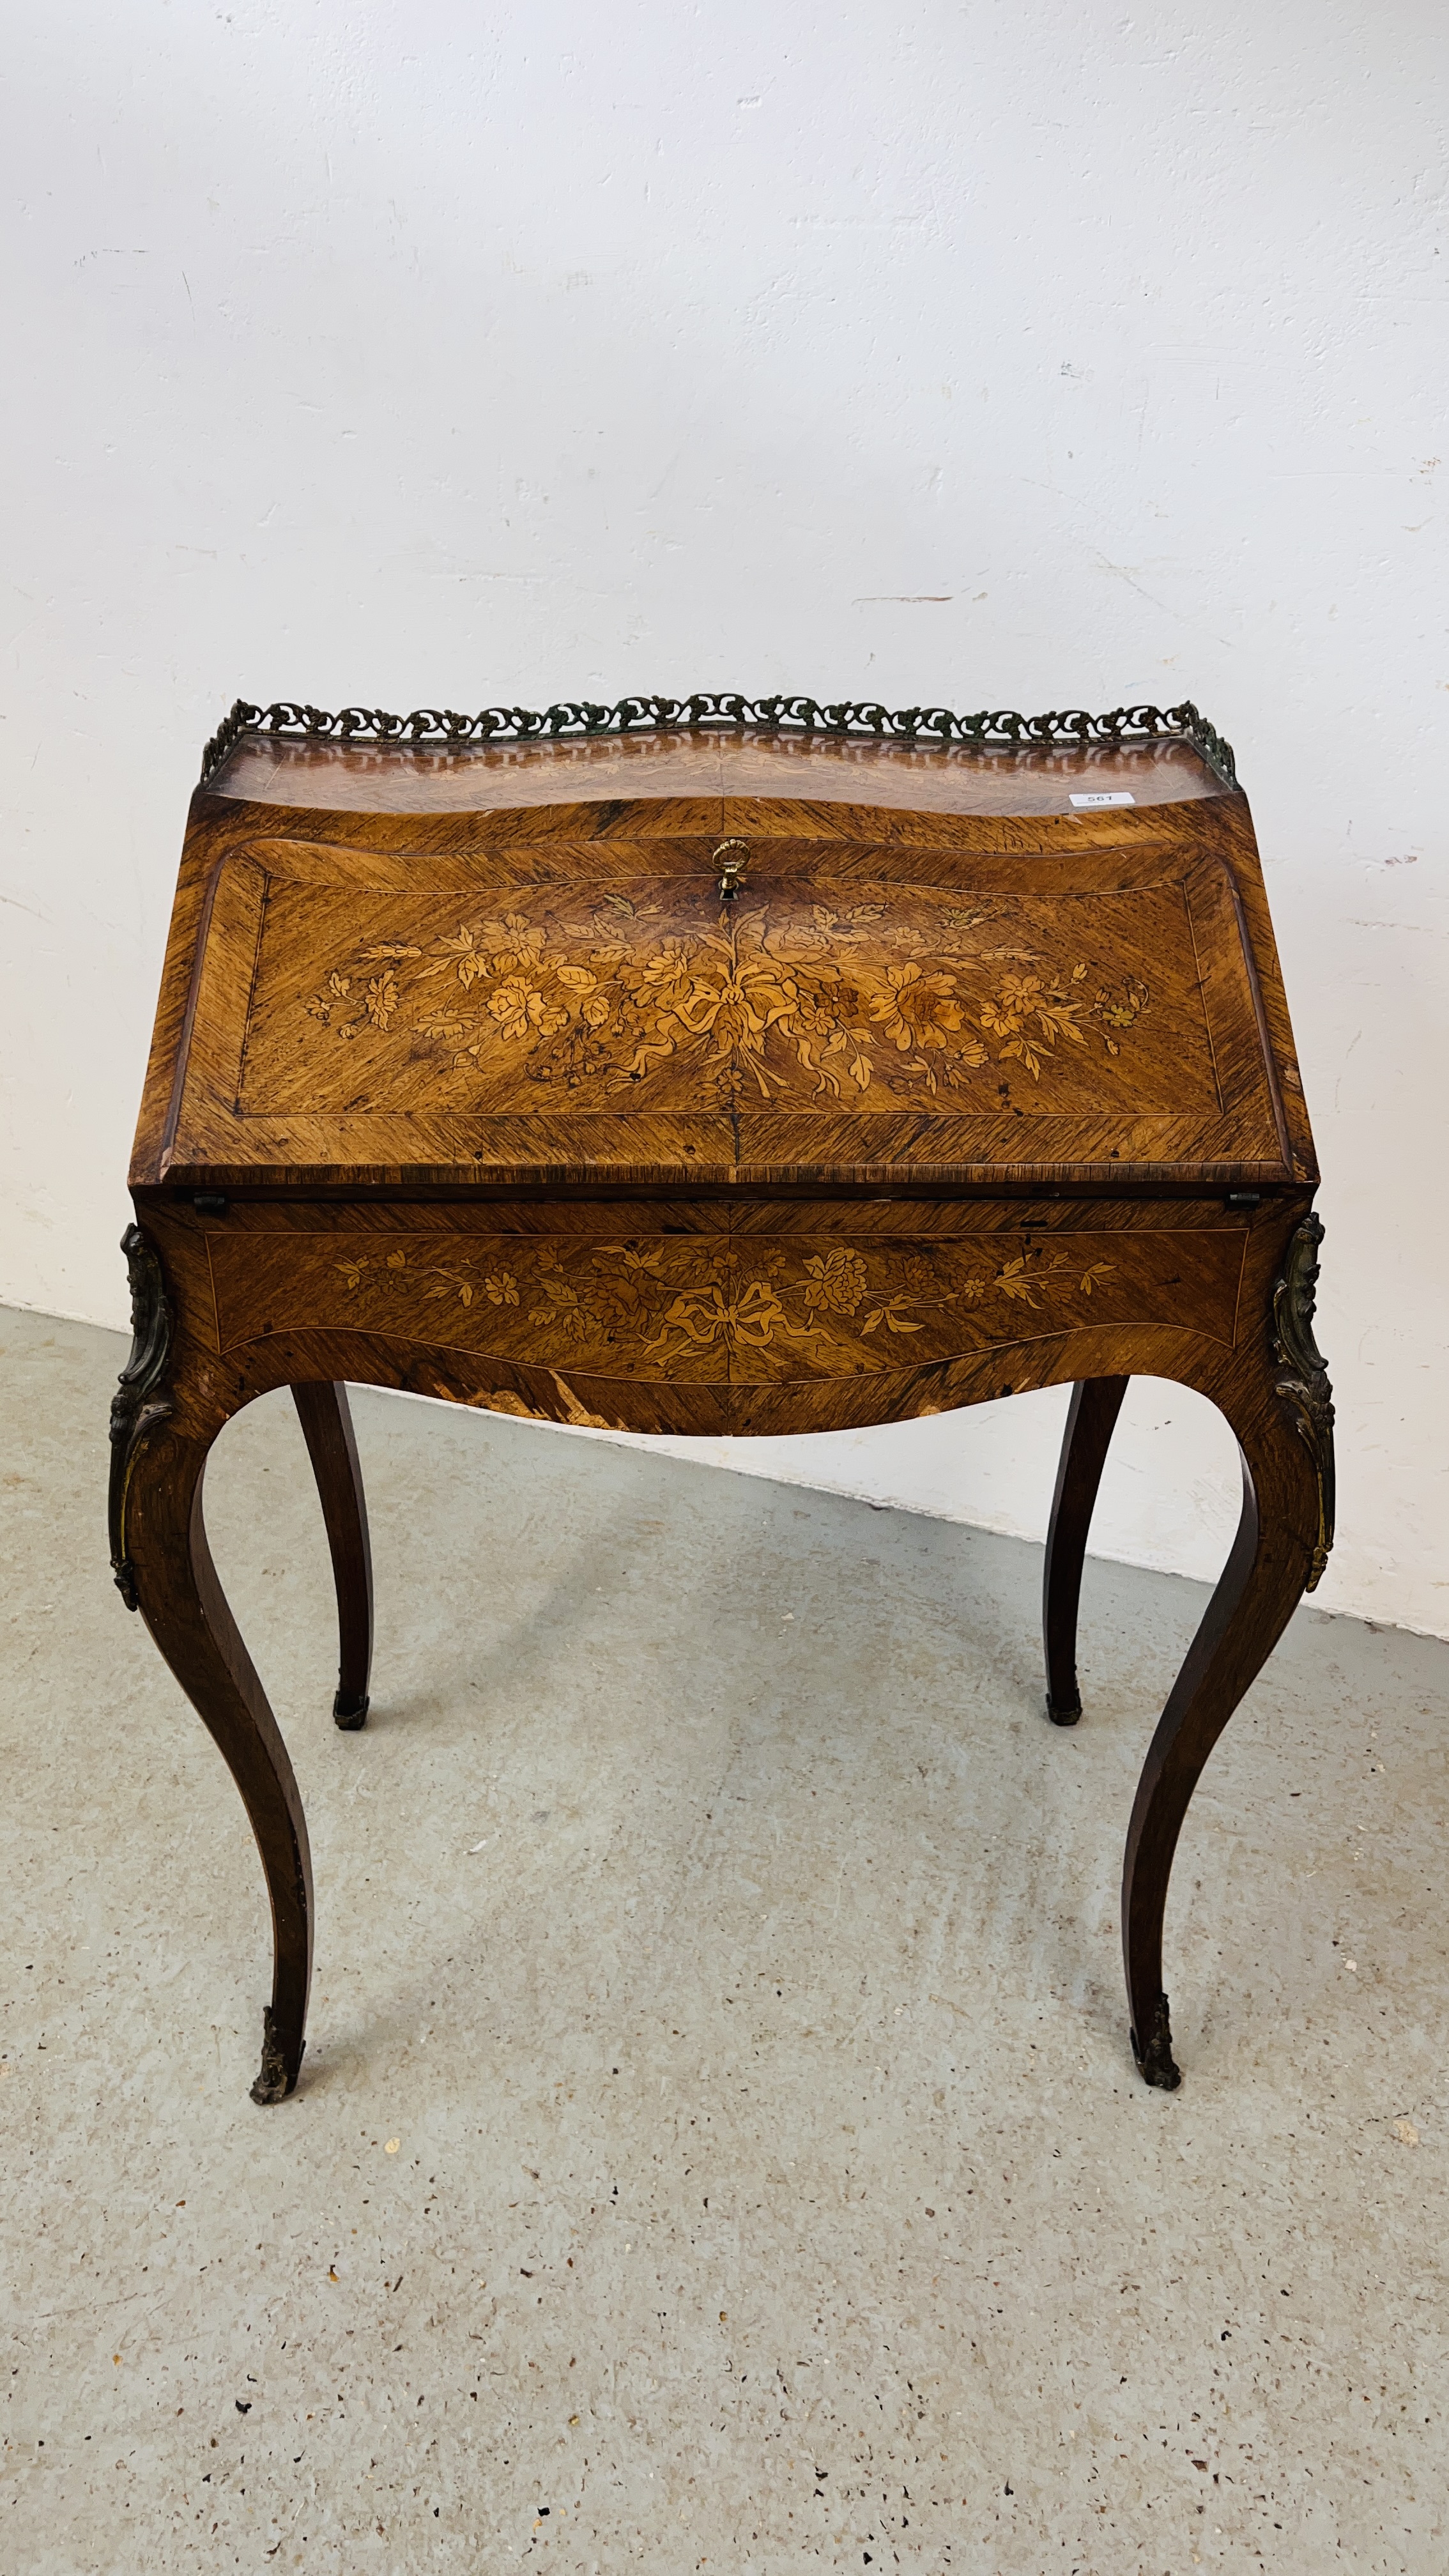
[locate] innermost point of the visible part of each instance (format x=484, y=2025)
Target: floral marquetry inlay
x=703, y=1308
x=817, y=1003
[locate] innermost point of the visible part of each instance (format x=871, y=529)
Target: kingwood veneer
x=719, y=1067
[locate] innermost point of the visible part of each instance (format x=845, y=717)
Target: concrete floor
x=718, y=2145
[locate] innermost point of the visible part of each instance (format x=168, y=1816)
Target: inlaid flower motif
x=501, y=1288
x=514, y=942
x=919, y=1009
x=334, y=992
x=518, y=1007
x=845, y=997
x=1028, y=1017
x=667, y=972
x=509, y=1006
x=1016, y=995
x=1120, y=1014
x=380, y=1000
x=836, y=1280
x=1120, y=1010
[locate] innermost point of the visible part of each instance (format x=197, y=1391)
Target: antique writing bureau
x=719, y=1066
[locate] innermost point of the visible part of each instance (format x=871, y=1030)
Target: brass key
x=732, y=859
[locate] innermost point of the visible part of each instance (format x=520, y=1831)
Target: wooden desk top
x=400, y=968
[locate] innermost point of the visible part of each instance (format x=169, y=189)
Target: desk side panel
x=1229, y=824
x=175, y=1002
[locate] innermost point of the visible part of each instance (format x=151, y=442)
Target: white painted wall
x=1013, y=355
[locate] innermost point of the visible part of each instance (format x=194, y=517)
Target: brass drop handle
x=732, y=858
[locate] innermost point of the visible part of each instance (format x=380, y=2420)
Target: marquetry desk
x=719, y=1066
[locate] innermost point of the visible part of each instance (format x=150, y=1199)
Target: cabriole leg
x=164, y=1418
x=1095, y=1405
x=1282, y=1413
x=184, y=1607
x=327, y=1427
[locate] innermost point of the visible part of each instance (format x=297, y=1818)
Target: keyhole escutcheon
x=731, y=858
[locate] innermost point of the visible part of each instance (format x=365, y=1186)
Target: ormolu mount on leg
x=1305, y=1389
x=136, y=1406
